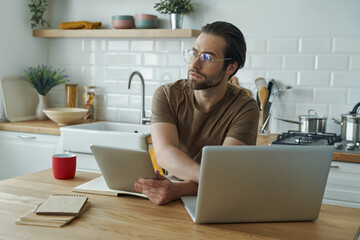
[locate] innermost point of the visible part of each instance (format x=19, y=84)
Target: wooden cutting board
x=20, y=99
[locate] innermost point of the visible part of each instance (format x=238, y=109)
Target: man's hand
x=160, y=191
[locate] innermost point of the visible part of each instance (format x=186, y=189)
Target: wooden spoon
x=263, y=96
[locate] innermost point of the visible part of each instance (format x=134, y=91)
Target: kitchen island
x=128, y=217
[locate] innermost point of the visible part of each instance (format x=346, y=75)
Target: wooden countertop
x=49, y=127
x=32, y=126
x=128, y=217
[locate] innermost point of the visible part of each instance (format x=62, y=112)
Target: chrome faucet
x=143, y=118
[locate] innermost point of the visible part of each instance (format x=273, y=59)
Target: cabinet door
x=23, y=153
x=343, y=185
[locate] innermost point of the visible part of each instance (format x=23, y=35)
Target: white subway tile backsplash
x=155, y=59
x=117, y=100
x=330, y=96
x=117, y=73
x=266, y=61
x=128, y=115
x=346, y=45
x=355, y=62
x=283, y=77
x=176, y=59
x=249, y=76
x=323, y=71
x=187, y=44
x=107, y=58
x=168, y=45
x=283, y=45
x=146, y=72
x=118, y=45
x=142, y=45
x=297, y=95
x=166, y=74
x=346, y=79
x=354, y=96
x=332, y=62
x=299, y=62
x=94, y=45
x=315, y=45
x=129, y=59
x=256, y=45
x=315, y=79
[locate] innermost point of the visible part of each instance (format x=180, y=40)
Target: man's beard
x=209, y=81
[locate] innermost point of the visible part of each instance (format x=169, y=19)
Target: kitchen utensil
x=20, y=99
x=263, y=96
x=64, y=116
x=270, y=84
x=309, y=123
x=350, y=125
x=260, y=82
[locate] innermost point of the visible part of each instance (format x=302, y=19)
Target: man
x=201, y=110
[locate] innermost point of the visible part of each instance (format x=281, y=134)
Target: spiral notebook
x=62, y=204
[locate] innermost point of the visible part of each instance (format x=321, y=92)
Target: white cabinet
x=23, y=153
x=343, y=185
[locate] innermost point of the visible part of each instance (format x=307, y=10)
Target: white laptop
x=122, y=167
x=260, y=184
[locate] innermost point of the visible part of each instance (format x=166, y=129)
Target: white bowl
x=65, y=116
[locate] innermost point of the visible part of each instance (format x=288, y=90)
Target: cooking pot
x=309, y=123
x=350, y=125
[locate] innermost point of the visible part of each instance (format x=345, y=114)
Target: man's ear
x=231, y=68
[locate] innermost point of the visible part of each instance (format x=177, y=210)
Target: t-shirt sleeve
x=161, y=110
x=245, y=126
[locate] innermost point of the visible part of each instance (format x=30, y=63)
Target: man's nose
x=196, y=63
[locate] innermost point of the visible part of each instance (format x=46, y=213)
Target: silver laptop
x=122, y=167
x=260, y=184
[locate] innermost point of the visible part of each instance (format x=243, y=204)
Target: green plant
x=174, y=6
x=38, y=8
x=43, y=78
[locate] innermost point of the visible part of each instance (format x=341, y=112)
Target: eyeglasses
x=205, y=58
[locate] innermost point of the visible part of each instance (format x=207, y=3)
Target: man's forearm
x=178, y=163
x=186, y=188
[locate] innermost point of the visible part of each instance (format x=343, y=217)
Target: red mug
x=64, y=165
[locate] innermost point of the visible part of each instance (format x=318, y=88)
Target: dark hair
x=235, y=42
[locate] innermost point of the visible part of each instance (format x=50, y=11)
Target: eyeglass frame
x=202, y=61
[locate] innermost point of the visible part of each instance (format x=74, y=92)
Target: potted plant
x=176, y=8
x=38, y=8
x=43, y=78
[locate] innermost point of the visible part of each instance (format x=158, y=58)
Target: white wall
x=18, y=49
x=313, y=46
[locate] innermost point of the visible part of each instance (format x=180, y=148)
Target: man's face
x=203, y=76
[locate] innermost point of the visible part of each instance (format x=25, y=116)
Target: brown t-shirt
x=236, y=115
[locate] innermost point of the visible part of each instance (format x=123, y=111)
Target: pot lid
x=312, y=116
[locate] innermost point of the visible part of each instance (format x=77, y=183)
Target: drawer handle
x=334, y=166
x=26, y=137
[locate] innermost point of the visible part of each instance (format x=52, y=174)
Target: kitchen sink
x=78, y=138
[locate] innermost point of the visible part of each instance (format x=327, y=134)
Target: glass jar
x=71, y=93
x=89, y=102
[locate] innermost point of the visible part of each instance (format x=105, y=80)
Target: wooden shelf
x=114, y=33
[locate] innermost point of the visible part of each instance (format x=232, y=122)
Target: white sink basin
x=78, y=138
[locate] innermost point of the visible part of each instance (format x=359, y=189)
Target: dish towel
x=80, y=25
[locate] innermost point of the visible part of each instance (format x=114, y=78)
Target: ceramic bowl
x=146, y=16
x=142, y=23
x=65, y=116
x=122, y=22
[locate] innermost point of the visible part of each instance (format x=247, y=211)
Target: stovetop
x=316, y=139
